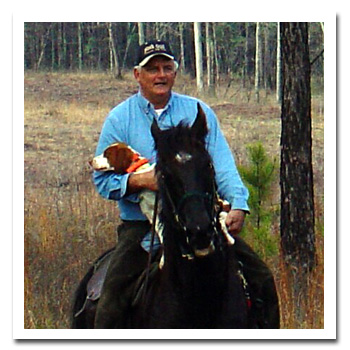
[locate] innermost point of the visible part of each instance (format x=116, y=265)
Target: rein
x=153, y=231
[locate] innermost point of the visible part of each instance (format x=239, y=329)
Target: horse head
x=187, y=185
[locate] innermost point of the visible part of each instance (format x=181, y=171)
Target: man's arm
x=230, y=185
x=140, y=181
x=228, y=180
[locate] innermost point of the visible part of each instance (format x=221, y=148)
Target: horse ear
x=199, y=126
x=155, y=131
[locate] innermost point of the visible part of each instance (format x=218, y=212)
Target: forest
x=264, y=81
x=248, y=51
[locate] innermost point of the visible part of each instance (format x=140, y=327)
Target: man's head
x=155, y=71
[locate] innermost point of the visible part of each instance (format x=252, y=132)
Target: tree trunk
x=249, y=55
x=182, y=47
x=246, y=48
x=297, y=195
x=216, y=58
x=296, y=176
x=114, y=64
x=141, y=29
x=53, y=53
x=199, y=55
x=59, y=45
x=267, y=59
x=279, y=66
x=130, y=32
x=210, y=59
x=322, y=26
x=64, y=45
x=80, y=46
x=43, y=43
x=257, y=63
x=297, y=210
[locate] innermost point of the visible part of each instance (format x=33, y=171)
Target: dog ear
x=119, y=156
x=199, y=127
x=155, y=131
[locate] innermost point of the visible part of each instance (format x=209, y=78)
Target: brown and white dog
x=121, y=159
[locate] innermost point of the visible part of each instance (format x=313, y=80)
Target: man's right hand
x=143, y=180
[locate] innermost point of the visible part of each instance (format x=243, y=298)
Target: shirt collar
x=147, y=106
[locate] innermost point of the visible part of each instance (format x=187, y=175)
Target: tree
x=43, y=46
x=141, y=29
x=199, y=55
x=248, y=69
x=182, y=47
x=131, y=28
x=296, y=174
x=279, y=67
x=80, y=46
x=216, y=59
x=297, y=210
x=210, y=58
x=269, y=57
x=113, y=60
x=258, y=57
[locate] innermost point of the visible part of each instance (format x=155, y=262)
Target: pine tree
x=258, y=177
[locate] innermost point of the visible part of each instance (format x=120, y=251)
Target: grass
x=67, y=224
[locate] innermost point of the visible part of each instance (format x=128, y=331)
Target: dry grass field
x=68, y=225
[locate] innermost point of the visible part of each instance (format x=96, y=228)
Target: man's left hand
x=234, y=221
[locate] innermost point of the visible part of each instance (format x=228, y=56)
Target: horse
x=199, y=282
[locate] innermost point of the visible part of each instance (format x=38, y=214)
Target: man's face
x=156, y=80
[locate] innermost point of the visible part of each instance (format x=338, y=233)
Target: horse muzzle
x=201, y=253
x=201, y=242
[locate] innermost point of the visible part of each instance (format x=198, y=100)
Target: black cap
x=151, y=49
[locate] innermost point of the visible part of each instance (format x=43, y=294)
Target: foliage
x=259, y=176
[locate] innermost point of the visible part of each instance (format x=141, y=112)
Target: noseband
x=210, y=200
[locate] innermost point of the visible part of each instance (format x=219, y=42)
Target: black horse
x=200, y=283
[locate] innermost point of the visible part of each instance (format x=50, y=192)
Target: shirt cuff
x=240, y=204
x=120, y=192
x=124, y=184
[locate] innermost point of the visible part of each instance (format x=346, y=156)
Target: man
x=130, y=123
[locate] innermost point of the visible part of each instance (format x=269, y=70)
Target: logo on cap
x=152, y=47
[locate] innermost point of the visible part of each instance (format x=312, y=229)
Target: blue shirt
x=130, y=122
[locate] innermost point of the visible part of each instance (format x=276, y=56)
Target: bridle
x=211, y=203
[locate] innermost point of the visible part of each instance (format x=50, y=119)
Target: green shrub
x=259, y=176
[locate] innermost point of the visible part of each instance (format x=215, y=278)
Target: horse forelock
x=179, y=143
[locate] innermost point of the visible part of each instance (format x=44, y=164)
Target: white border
x=249, y=13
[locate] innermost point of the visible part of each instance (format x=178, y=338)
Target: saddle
x=94, y=286
x=95, y=283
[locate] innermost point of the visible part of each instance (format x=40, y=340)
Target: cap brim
x=146, y=60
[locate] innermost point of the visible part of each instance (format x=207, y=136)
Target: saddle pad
x=94, y=286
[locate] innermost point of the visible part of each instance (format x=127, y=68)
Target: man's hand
x=143, y=180
x=234, y=221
